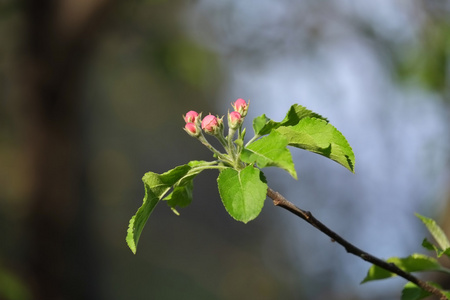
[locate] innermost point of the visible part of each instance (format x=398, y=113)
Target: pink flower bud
x=241, y=107
x=191, y=129
x=210, y=124
x=234, y=119
x=191, y=117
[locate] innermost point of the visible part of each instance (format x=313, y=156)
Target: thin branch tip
x=279, y=200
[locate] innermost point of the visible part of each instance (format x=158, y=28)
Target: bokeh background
x=92, y=95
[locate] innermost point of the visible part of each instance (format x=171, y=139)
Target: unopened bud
x=240, y=106
x=191, y=129
x=210, y=124
x=191, y=117
x=234, y=119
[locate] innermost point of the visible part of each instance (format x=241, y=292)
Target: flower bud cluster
x=210, y=124
x=236, y=118
x=192, y=127
x=213, y=125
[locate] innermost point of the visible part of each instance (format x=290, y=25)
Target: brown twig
x=279, y=200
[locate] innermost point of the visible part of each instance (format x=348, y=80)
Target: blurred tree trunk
x=58, y=39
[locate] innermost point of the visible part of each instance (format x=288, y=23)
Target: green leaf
x=438, y=234
x=318, y=136
x=439, y=252
x=413, y=263
x=297, y=113
x=182, y=190
x=377, y=273
x=429, y=246
x=243, y=192
x=270, y=151
x=180, y=196
x=156, y=186
x=413, y=292
x=262, y=125
x=416, y=262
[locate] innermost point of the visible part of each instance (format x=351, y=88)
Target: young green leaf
x=377, y=273
x=156, y=186
x=297, y=113
x=182, y=190
x=439, y=252
x=180, y=196
x=437, y=233
x=413, y=263
x=270, y=151
x=318, y=136
x=243, y=192
x=413, y=292
x=262, y=125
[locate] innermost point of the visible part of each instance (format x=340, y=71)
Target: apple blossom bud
x=241, y=107
x=191, y=129
x=234, y=119
x=210, y=124
x=191, y=117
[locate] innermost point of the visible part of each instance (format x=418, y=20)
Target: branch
x=279, y=200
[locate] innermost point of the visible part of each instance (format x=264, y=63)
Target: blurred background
x=92, y=95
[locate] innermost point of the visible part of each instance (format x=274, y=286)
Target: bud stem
x=220, y=155
x=231, y=147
